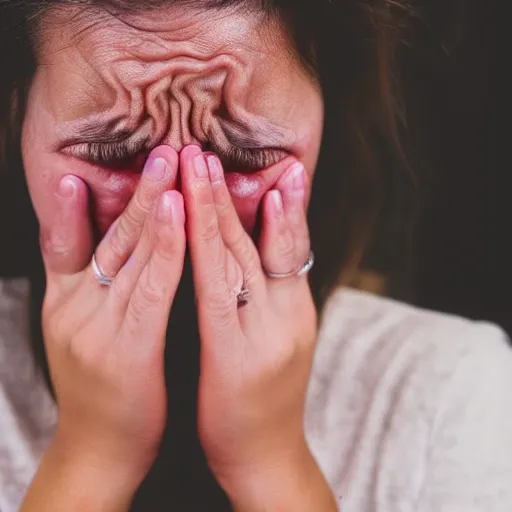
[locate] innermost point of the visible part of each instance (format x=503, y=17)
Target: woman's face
x=109, y=89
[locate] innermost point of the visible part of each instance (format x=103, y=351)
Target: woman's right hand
x=105, y=345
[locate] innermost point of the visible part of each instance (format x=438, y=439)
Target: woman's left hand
x=255, y=359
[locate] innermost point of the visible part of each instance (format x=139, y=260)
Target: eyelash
x=124, y=156
x=249, y=159
x=112, y=155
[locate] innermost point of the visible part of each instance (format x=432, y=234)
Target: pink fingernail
x=277, y=200
x=155, y=168
x=67, y=187
x=200, y=167
x=297, y=176
x=165, y=208
x=178, y=207
x=171, y=207
x=215, y=168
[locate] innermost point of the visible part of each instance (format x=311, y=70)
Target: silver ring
x=296, y=273
x=98, y=273
x=242, y=297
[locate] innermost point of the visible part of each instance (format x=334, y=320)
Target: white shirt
x=407, y=410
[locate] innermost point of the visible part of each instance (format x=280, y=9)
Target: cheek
x=41, y=172
x=42, y=181
x=295, y=102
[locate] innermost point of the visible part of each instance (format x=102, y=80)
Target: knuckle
x=220, y=307
x=136, y=213
x=215, y=290
x=224, y=206
x=150, y=293
x=202, y=191
x=210, y=230
x=122, y=238
x=285, y=246
x=248, y=255
x=170, y=244
x=239, y=240
x=142, y=304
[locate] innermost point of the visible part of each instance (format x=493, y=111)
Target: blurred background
x=457, y=258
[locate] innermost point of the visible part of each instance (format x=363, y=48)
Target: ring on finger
x=103, y=279
x=305, y=269
x=242, y=296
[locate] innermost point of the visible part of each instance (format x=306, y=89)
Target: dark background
x=458, y=258
x=464, y=257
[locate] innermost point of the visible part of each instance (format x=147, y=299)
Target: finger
x=207, y=249
x=292, y=186
x=66, y=245
x=150, y=293
x=284, y=242
x=236, y=239
x=159, y=175
x=128, y=277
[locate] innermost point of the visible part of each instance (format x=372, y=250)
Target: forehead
x=159, y=33
x=85, y=50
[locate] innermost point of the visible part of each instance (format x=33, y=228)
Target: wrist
x=294, y=482
x=73, y=480
x=131, y=459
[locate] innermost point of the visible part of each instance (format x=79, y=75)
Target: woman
x=175, y=144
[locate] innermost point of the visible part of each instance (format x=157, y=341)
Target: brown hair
x=350, y=45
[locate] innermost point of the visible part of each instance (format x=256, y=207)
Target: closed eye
x=131, y=155
x=114, y=155
x=235, y=159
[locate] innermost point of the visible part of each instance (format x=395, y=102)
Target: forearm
x=298, y=485
x=67, y=482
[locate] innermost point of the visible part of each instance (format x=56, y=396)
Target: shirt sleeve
x=469, y=465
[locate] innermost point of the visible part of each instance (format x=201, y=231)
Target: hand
x=255, y=359
x=105, y=345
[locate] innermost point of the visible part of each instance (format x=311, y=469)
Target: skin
x=168, y=81
x=105, y=345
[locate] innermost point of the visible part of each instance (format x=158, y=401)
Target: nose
x=179, y=139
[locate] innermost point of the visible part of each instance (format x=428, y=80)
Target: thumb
x=67, y=244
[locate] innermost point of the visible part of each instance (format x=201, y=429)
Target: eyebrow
x=266, y=135
x=94, y=130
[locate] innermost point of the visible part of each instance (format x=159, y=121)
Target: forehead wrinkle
x=261, y=134
x=200, y=39
x=150, y=43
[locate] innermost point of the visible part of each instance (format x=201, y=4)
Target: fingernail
x=178, y=208
x=214, y=167
x=156, y=168
x=200, y=167
x=277, y=200
x=171, y=208
x=297, y=176
x=164, y=211
x=67, y=187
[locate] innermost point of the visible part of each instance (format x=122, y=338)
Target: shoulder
x=28, y=414
x=384, y=343
x=420, y=399
x=361, y=323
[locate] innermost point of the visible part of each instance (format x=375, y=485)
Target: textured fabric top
x=407, y=410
